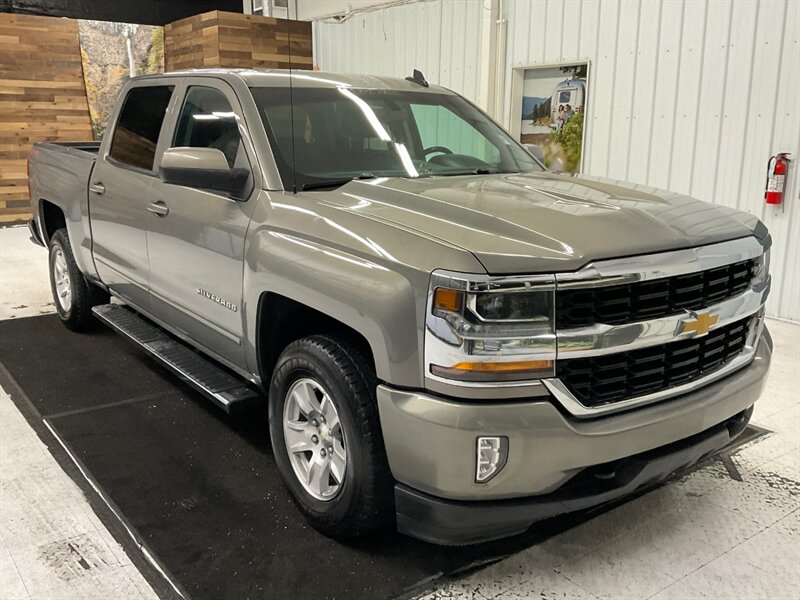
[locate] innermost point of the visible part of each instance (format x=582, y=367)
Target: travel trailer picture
x=553, y=108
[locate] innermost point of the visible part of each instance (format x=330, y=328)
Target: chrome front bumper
x=430, y=441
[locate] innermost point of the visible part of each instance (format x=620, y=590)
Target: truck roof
x=304, y=78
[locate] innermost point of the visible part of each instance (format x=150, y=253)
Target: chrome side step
x=223, y=388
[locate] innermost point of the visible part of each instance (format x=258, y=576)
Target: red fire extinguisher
x=777, y=167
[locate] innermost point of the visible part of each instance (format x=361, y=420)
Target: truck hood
x=528, y=223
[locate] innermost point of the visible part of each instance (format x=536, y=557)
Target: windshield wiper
x=478, y=171
x=319, y=185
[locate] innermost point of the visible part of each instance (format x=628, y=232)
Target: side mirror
x=204, y=168
x=535, y=151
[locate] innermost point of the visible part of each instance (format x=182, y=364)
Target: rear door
x=119, y=187
x=197, y=248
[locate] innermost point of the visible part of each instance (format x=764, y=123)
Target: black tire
x=77, y=316
x=365, y=500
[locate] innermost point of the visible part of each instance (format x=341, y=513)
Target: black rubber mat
x=200, y=487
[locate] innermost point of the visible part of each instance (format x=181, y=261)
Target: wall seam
x=775, y=100
x=748, y=116
x=792, y=209
x=655, y=89
x=675, y=98
x=697, y=98
x=633, y=86
x=724, y=100
x=613, y=85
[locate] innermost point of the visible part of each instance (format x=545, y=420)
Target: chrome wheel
x=61, y=279
x=314, y=439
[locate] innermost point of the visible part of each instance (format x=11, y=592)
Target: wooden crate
x=42, y=98
x=224, y=39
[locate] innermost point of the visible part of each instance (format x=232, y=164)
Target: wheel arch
x=282, y=320
x=52, y=218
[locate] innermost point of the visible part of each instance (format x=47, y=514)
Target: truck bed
x=59, y=175
x=62, y=167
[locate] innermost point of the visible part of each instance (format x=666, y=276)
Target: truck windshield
x=337, y=134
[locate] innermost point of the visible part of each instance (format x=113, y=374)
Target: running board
x=225, y=389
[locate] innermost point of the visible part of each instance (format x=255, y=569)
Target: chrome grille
x=607, y=378
x=652, y=299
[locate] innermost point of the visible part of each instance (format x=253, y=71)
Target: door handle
x=158, y=208
x=98, y=188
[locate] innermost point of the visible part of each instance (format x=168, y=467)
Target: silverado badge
x=218, y=300
x=700, y=324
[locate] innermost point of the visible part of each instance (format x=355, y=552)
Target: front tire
x=73, y=296
x=326, y=437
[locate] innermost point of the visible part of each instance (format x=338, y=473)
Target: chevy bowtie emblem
x=699, y=325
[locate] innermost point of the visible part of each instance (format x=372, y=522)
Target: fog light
x=492, y=454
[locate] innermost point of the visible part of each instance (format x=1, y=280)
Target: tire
x=364, y=499
x=73, y=296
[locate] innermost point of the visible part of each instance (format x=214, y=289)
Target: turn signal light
x=504, y=367
x=448, y=299
x=495, y=371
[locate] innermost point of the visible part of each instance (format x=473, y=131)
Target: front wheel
x=326, y=437
x=73, y=296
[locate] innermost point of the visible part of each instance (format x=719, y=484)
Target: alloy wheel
x=314, y=439
x=61, y=279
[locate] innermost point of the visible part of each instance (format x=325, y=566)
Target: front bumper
x=457, y=523
x=430, y=441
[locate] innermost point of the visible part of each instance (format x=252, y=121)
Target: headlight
x=762, y=266
x=484, y=329
x=525, y=305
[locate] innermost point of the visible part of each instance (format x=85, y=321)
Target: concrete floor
x=52, y=545
x=705, y=535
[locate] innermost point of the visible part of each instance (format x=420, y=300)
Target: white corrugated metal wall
x=691, y=95
x=394, y=41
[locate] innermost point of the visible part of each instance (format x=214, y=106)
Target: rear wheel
x=326, y=437
x=73, y=295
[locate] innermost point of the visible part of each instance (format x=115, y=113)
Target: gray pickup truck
x=449, y=337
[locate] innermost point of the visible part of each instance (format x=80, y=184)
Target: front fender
x=314, y=256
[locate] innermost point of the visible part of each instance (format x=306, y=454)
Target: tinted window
x=207, y=121
x=136, y=135
x=326, y=134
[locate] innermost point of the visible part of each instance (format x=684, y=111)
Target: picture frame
x=534, y=116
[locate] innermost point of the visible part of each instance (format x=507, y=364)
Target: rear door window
x=139, y=124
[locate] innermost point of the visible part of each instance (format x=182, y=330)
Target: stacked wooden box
x=223, y=39
x=42, y=98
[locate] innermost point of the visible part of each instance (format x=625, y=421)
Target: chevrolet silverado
x=450, y=338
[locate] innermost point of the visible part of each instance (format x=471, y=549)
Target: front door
x=118, y=193
x=197, y=248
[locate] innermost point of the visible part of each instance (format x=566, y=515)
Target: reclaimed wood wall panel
x=42, y=98
x=223, y=39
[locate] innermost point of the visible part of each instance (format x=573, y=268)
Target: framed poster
x=550, y=104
